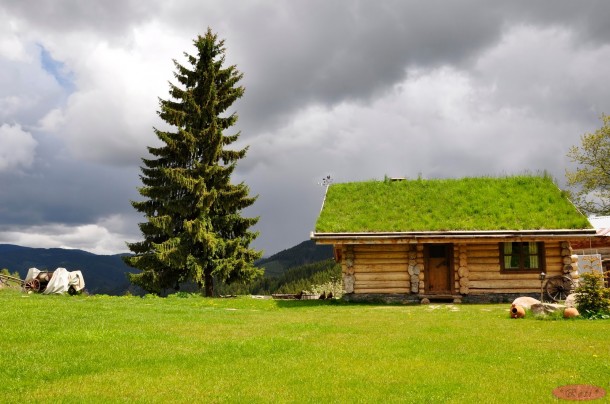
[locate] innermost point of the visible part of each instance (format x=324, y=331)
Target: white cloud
x=17, y=147
x=11, y=45
x=110, y=116
x=51, y=121
x=27, y=91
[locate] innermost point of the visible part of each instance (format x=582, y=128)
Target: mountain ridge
x=107, y=274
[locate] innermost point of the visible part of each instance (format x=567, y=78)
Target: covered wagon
x=54, y=282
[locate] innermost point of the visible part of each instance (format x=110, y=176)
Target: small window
x=522, y=256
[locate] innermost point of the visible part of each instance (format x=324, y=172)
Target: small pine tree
x=194, y=230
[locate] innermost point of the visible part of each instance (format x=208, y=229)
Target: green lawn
x=109, y=349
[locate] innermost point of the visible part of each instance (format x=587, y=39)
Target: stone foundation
x=497, y=297
x=388, y=298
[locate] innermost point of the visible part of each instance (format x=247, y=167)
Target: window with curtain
x=522, y=256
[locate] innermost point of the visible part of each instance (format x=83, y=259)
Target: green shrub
x=592, y=298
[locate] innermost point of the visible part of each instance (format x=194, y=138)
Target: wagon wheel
x=558, y=288
x=33, y=285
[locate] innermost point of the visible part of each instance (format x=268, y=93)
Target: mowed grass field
x=129, y=349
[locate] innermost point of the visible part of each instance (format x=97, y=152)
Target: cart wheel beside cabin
x=33, y=285
x=559, y=287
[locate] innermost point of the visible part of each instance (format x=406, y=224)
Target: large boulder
x=525, y=302
x=546, y=308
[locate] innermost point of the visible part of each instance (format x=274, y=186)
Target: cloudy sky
x=352, y=89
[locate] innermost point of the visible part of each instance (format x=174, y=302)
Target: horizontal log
x=479, y=276
x=484, y=261
x=374, y=248
x=382, y=255
x=380, y=260
x=497, y=274
x=384, y=276
x=504, y=284
x=488, y=291
x=484, y=267
x=483, y=253
x=382, y=290
x=381, y=268
x=475, y=248
x=382, y=284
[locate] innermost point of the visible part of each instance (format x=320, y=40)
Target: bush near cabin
x=592, y=298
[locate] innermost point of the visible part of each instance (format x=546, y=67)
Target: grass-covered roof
x=523, y=202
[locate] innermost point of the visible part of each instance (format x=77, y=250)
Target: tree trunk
x=208, y=284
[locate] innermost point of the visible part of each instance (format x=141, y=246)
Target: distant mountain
x=104, y=274
x=107, y=274
x=306, y=252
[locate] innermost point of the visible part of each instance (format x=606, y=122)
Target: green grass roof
x=467, y=204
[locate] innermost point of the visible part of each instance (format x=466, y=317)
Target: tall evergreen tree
x=194, y=230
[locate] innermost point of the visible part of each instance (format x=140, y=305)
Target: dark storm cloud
x=355, y=89
x=110, y=18
x=63, y=190
x=327, y=52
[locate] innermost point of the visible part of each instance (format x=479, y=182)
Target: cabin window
x=522, y=256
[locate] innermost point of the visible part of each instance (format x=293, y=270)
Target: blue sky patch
x=57, y=69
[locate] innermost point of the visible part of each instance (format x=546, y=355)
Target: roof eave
x=561, y=233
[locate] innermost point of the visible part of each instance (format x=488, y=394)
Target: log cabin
x=474, y=240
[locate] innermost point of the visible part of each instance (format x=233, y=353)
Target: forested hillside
x=288, y=271
x=293, y=280
x=303, y=253
x=104, y=274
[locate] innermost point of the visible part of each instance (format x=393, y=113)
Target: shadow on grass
x=298, y=304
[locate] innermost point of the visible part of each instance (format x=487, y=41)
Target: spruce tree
x=194, y=230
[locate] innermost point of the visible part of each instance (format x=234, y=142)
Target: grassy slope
x=509, y=203
x=108, y=349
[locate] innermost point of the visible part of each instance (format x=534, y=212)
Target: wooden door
x=438, y=268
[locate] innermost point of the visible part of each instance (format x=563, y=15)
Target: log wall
x=399, y=268
x=482, y=274
x=378, y=268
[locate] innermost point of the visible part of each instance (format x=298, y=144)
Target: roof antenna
x=326, y=181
